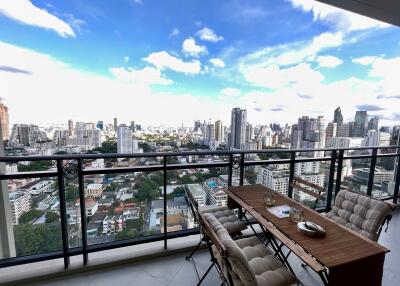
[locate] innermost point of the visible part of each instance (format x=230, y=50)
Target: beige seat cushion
x=252, y=263
x=225, y=216
x=359, y=213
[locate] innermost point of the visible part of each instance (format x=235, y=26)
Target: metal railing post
x=165, y=200
x=397, y=182
x=339, y=172
x=331, y=181
x=230, y=170
x=83, y=211
x=291, y=173
x=63, y=213
x=241, y=169
x=372, y=172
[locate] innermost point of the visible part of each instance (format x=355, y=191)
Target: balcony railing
x=236, y=162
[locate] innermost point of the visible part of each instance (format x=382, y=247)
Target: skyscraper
x=373, y=123
x=70, y=127
x=238, y=128
x=5, y=128
x=219, y=131
x=124, y=140
x=360, y=124
x=115, y=124
x=133, y=126
x=338, y=117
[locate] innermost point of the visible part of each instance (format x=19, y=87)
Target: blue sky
x=168, y=62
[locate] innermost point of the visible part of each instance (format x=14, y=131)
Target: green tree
x=30, y=216
x=40, y=238
x=145, y=146
x=148, y=190
x=51, y=217
x=126, y=234
x=35, y=166
x=109, y=146
x=71, y=193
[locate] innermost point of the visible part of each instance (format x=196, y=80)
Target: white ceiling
x=384, y=10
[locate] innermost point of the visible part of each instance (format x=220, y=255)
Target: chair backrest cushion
x=359, y=213
x=242, y=274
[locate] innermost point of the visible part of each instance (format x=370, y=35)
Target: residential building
x=124, y=140
x=219, y=131
x=275, y=177
x=20, y=202
x=94, y=190
x=216, y=195
x=198, y=193
x=4, y=121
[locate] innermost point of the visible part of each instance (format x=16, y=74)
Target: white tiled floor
x=176, y=270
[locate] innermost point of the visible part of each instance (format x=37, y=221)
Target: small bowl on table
x=311, y=229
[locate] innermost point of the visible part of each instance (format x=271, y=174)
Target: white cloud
x=207, y=34
x=48, y=91
x=218, y=63
x=295, y=53
x=25, y=12
x=230, y=92
x=175, y=32
x=328, y=61
x=189, y=47
x=163, y=60
x=126, y=59
x=273, y=76
x=145, y=76
x=365, y=60
x=341, y=19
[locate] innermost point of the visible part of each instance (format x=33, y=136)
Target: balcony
x=89, y=215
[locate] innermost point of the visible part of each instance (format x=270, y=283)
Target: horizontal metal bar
x=177, y=154
x=13, y=261
x=197, y=165
x=25, y=175
x=153, y=168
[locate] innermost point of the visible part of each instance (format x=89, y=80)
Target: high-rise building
x=249, y=132
x=115, y=124
x=238, y=128
x=275, y=177
x=331, y=130
x=85, y=135
x=209, y=133
x=338, y=117
x=373, y=123
x=70, y=127
x=133, y=126
x=5, y=128
x=360, y=124
x=26, y=135
x=100, y=125
x=376, y=138
x=124, y=140
x=309, y=133
x=197, y=125
x=345, y=129
x=219, y=131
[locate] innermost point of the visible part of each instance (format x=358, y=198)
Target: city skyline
x=81, y=61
